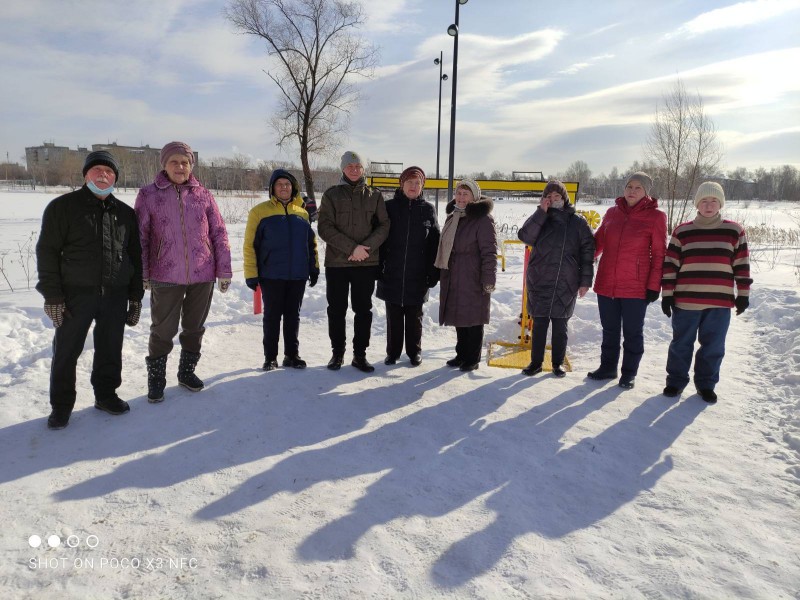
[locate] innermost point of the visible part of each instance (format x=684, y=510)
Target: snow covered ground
x=413, y=483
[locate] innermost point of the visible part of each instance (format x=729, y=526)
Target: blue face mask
x=100, y=192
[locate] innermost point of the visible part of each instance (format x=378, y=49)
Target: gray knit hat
x=643, y=178
x=351, y=158
x=472, y=186
x=101, y=157
x=709, y=189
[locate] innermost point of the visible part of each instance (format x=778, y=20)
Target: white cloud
x=742, y=14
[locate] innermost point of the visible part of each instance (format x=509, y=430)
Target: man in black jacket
x=89, y=261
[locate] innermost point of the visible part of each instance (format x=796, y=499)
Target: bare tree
x=318, y=55
x=683, y=143
x=579, y=172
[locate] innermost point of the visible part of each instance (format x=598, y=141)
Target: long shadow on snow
x=403, y=444
x=442, y=457
x=245, y=420
x=559, y=490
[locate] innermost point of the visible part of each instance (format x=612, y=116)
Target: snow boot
x=156, y=378
x=186, y=366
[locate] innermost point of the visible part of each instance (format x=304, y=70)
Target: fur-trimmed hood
x=482, y=207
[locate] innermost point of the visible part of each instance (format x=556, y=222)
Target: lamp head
x=444, y=76
x=452, y=30
x=462, y=2
x=436, y=61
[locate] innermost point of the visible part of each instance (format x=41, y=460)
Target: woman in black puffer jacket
x=560, y=269
x=406, y=266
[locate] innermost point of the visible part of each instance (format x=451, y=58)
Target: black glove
x=57, y=311
x=252, y=283
x=667, y=304
x=652, y=296
x=134, y=312
x=312, y=279
x=741, y=302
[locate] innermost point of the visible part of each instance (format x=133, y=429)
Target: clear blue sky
x=540, y=84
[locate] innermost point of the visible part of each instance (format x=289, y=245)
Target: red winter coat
x=632, y=241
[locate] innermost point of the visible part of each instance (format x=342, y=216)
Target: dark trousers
x=174, y=304
x=622, y=317
x=359, y=284
x=403, y=321
x=108, y=314
x=539, y=340
x=469, y=343
x=282, y=299
x=710, y=326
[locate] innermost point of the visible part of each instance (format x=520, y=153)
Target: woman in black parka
x=406, y=266
x=560, y=269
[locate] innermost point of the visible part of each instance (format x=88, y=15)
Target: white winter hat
x=709, y=189
x=472, y=186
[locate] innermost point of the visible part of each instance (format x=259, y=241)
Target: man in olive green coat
x=353, y=223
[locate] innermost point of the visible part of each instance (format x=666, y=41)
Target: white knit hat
x=709, y=189
x=472, y=186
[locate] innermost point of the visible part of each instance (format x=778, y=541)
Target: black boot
x=186, y=366
x=59, y=418
x=532, y=369
x=156, y=378
x=362, y=364
x=295, y=362
x=112, y=404
x=601, y=374
x=335, y=363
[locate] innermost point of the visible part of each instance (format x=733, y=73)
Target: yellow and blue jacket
x=279, y=242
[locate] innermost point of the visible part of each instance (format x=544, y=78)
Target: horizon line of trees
x=241, y=173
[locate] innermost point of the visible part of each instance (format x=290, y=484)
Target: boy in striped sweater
x=705, y=259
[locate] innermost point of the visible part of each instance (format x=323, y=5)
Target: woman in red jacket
x=632, y=240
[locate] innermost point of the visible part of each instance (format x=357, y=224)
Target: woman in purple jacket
x=184, y=250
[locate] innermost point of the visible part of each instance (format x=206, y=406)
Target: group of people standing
x=703, y=271
x=96, y=257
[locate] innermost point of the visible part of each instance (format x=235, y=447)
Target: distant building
x=60, y=165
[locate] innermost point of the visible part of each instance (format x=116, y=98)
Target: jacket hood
x=482, y=207
x=283, y=174
x=162, y=181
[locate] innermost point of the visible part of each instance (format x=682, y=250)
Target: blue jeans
x=710, y=325
x=621, y=318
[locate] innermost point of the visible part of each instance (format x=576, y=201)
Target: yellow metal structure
x=492, y=185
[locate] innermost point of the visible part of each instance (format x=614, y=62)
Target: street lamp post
x=442, y=77
x=453, y=31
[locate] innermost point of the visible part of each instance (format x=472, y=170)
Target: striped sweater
x=704, y=259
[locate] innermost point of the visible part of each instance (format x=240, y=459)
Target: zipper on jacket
x=183, y=233
x=405, y=258
x=289, y=232
x=560, y=260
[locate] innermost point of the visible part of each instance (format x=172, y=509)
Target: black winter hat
x=101, y=157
